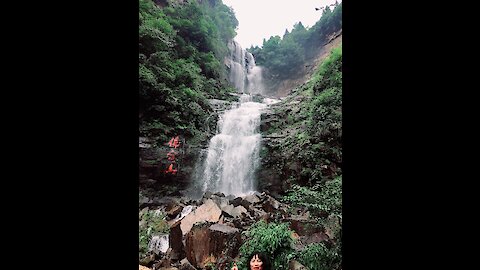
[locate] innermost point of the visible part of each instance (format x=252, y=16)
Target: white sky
x=259, y=19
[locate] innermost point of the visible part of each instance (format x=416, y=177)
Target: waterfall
x=233, y=153
x=244, y=74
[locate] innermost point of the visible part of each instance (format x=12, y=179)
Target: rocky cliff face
x=281, y=88
x=206, y=233
x=156, y=157
x=154, y=161
x=279, y=126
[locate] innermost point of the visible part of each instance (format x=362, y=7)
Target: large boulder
x=206, y=242
x=208, y=211
x=176, y=243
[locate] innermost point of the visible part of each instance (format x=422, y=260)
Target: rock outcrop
x=207, y=231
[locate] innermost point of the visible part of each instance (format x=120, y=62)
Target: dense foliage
x=181, y=50
x=152, y=222
x=283, y=56
x=312, y=127
x=308, y=154
x=273, y=239
x=276, y=240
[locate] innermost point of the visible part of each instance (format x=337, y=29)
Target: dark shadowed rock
x=219, y=194
x=303, y=225
x=175, y=238
x=236, y=202
x=220, y=201
x=245, y=203
x=207, y=242
x=196, y=244
x=224, y=240
x=270, y=204
x=258, y=214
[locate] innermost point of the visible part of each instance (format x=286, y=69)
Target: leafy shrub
x=318, y=257
x=320, y=200
x=273, y=239
x=153, y=223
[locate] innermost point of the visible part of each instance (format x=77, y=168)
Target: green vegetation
x=311, y=121
x=273, y=239
x=317, y=256
x=284, y=56
x=181, y=51
x=319, y=200
x=276, y=241
x=151, y=223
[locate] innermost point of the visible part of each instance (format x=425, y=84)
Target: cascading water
x=232, y=157
x=244, y=74
x=233, y=154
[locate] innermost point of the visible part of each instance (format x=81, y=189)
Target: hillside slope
x=281, y=88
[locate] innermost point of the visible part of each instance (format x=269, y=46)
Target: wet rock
x=251, y=199
x=220, y=201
